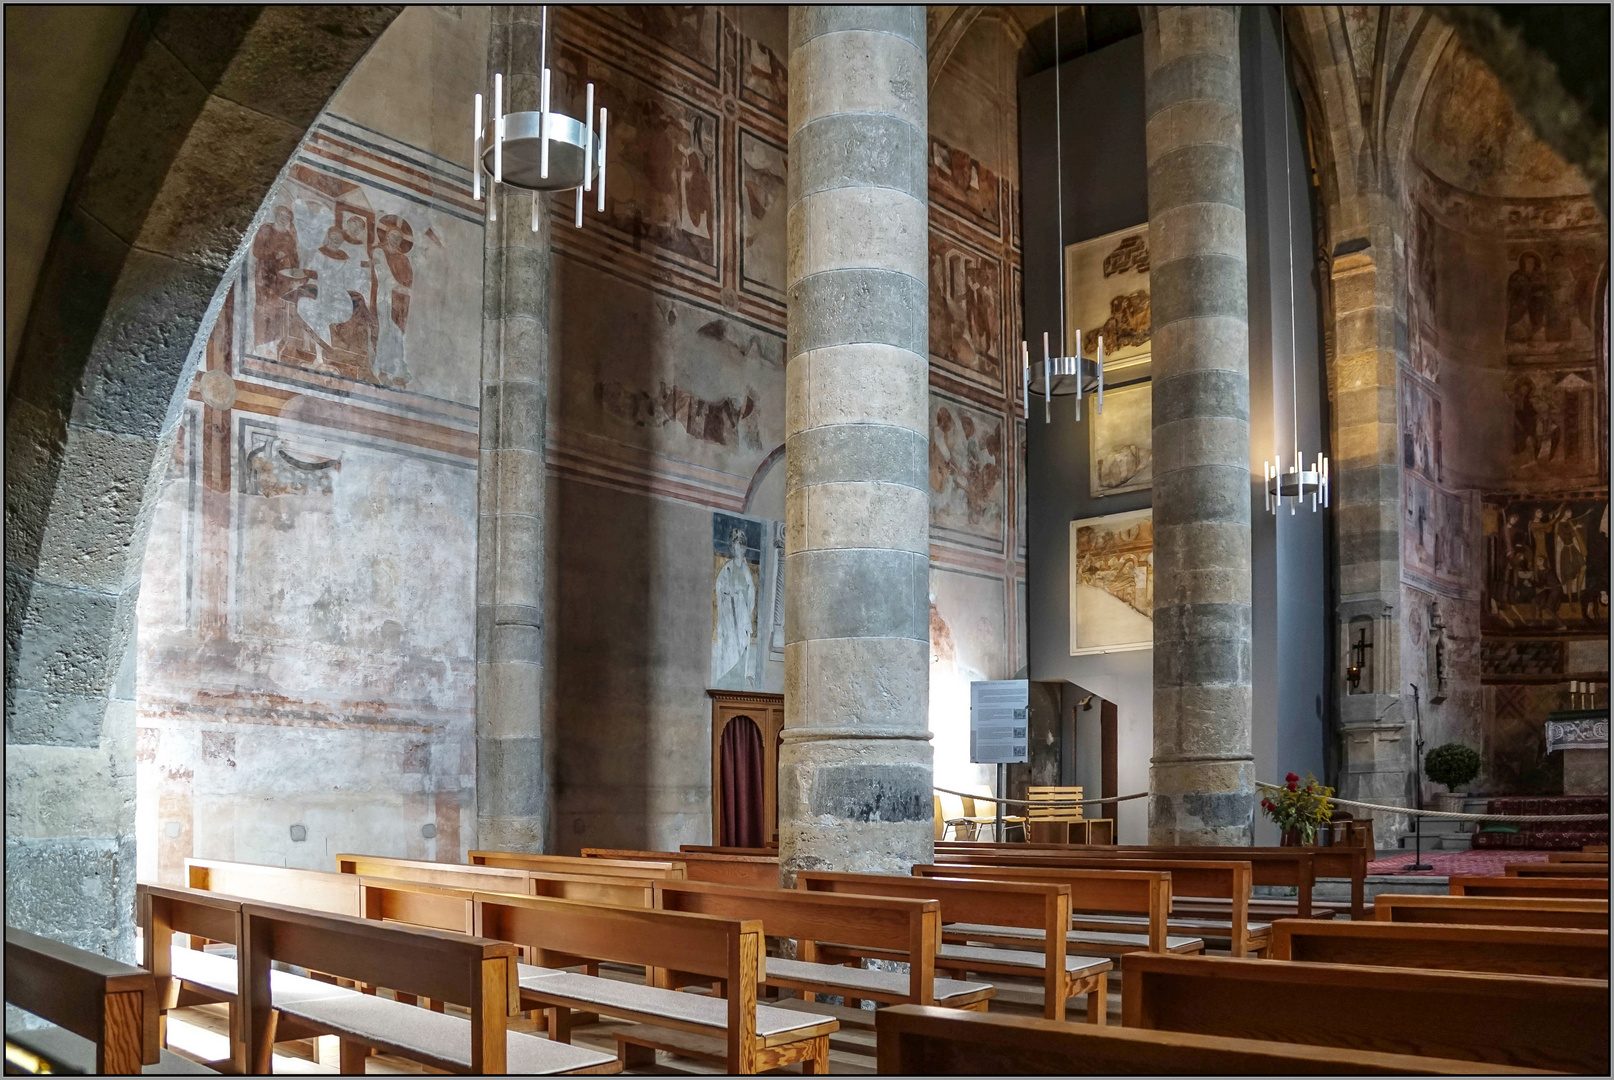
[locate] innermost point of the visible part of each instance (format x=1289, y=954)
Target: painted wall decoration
x=1112, y=583
x=1421, y=449
x=1557, y=424
x=1546, y=565
x=737, y=598
x=968, y=466
x=1436, y=536
x=966, y=309
x=1121, y=456
x=1550, y=295
x=762, y=213
x=965, y=186
x=1107, y=293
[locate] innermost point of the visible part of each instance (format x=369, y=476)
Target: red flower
x=1293, y=786
x=1291, y=778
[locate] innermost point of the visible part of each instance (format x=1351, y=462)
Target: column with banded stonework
x=855, y=765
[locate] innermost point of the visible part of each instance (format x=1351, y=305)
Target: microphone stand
x=1417, y=774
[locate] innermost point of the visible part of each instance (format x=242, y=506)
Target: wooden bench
x=1524, y=1020
x=1526, y=886
x=1586, y=914
x=1230, y=881
x=996, y=904
x=759, y=870
x=104, y=1012
x=1577, y=856
x=1145, y=893
x=1557, y=869
x=890, y=924
x=1518, y=950
x=914, y=1040
x=660, y=868
x=450, y=875
x=745, y=1037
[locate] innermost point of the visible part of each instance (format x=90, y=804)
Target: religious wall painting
x=738, y=650
x=965, y=186
x=1107, y=295
x=966, y=310
x=1421, y=446
x=762, y=215
x=764, y=77
x=1436, y=536
x=969, y=459
x=1121, y=456
x=689, y=32
x=1422, y=298
x=1112, y=583
x=1551, y=287
x=1546, y=565
x=1557, y=425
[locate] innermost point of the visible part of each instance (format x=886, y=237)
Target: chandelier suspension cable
x=1059, y=204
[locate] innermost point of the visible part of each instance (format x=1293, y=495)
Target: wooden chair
x=1527, y=1020
x=1001, y=904
x=1517, y=950
x=761, y=871
x=1529, y=886
x=1585, y=914
x=661, y=867
x=1557, y=869
x=915, y=1040
x=1203, y=879
x=737, y=1032
x=105, y=1012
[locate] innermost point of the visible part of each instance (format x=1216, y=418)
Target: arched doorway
x=740, y=761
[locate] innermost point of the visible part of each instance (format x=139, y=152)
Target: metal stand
x=1417, y=781
x=1003, y=772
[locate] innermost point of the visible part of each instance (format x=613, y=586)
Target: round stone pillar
x=1202, y=773
x=854, y=770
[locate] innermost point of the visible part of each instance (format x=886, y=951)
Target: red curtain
x=742, y=784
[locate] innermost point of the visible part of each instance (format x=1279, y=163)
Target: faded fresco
x=1546, y=565
x=1436, y=535
x=738, y=645
x=1557, y=424
x=1107, y=295
x=1551, y=295
x=1112, y=583
x=965, y=186
x=1420, y=429
x=762, y=213
x=966, y=310
x=968, y=466
x=1122, y=451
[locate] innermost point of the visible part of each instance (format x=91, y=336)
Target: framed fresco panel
x=1121, y=456
x=969, y=462
x=1546, y=565
x=1112, y=583
x=1107, y=294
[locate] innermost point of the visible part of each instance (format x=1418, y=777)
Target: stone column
x=513, y=793
x=854, y=771
x=1202, y=773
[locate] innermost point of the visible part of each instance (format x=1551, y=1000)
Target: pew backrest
x=1577, y=856
x=572, y=864
x=996, y=903
x=1525, y=1020
x=317, y=890
x=1589, y=914
x=1519, y=950
x=1529, y=886
x=1557, y=869
x=450, y=875
x=112, y=1004
x=760, y=869
x=414, y=904
x=1108, y=890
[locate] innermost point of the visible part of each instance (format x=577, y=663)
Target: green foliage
x=1297, y=806
x=1452, y=764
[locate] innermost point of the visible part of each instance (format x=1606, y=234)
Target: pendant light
x=538, y=151
x=1060, y=376
x=1292, y=485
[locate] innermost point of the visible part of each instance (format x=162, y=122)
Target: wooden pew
x=915, y=1040
x=1524, y=1020
x=112, y=1005
x=890, y=924
x=758, y=870
x=1585, y=914
x=1142, y=892
x=1557, y=869
x=661, y=868
x=746, y=1038
x=317, y=890
x=714, y=849
x=1033, y=905
x=1223, y=880
x=1518, y=950
x=1526, y=886
x=1577, y=857
x=450, y=875
x=1595, y=848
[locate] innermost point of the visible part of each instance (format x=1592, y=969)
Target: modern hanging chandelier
x=1060, y=376
x=1293, y=484
x=538, y=151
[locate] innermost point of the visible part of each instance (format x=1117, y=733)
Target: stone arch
x=201, y=114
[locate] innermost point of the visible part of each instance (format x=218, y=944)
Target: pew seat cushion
x=215, y=971
x=1100, y=938
x=606, y=995
x=1206, y=925
x=76, y=1052
x=437, y=1039
x=1031, y=961
x=890, y=982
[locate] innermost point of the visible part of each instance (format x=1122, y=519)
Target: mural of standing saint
x=737, y=562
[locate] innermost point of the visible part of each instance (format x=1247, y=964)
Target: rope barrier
x=1052, y=804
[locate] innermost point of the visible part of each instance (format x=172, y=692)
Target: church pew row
x=1285, y=867
x=1569, y=913
x=1034, y=905
x=1577, y=856
x=915, y=1040
x=757, y=869
x=563, y=881
x=889, y=924
x=1197, y=878
x=664, y=866
x=104, y=1013
x=743, y=1036
x=1557, y=869
x=267, y=1005
x=1513, y=950
x=1529, y=886
x=1524, y=1020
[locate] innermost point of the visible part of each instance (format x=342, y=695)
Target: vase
x=1450, y=802
x=1290, y=838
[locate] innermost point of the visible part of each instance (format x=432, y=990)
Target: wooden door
x=767, y=711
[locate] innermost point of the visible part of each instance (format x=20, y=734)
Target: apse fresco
x=1436, y=535
x=968, y=472
x=1546, y=566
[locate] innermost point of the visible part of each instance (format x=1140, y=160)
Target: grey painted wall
x=1105, y=190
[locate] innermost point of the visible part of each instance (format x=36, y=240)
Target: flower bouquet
x=1298, y=808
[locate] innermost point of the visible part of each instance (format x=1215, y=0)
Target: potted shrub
x=1455, y=766
x=1298, y=808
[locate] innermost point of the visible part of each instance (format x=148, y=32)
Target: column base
x=854, y=805
x=1202, y=803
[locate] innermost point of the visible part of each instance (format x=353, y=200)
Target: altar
x=1582, y=735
